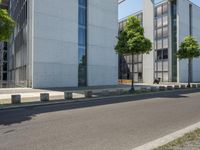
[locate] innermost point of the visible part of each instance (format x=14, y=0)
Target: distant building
x=65, y=43
x=167, y=24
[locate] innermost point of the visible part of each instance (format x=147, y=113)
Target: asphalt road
x=107, y=124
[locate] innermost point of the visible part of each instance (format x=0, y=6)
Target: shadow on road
x=9, y=117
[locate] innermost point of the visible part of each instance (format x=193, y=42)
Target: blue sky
x=131, y=6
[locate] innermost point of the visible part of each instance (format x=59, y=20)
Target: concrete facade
x=148, y=24
x=53, y=43
x=102, y=31
x=183, y=13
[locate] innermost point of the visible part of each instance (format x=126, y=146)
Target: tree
x=6, y=25
x=131, y=41
x=189, y=49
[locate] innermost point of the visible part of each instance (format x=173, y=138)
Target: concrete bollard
x=88, y=94
x=194, y=86
x=169, y=87
x=154, y=89
x=144, y=89
x=68, y=95
x=183, y=86
x=44, y=97
x=148, y=89
x=15, y=99
x=105, y=93
x=162, y=88
x=120, y=92
x=176, y=87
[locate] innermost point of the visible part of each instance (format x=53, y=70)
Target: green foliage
x=132, y=40
x=189, y=48
x=6, y=25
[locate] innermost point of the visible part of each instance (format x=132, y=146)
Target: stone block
x=154, y=89
x=88, y=94
x=15, y=99
x=176, y=87
x=194, y=85
x=162, y=88
x=44, y=97
x=183, y=86
x=68, y=95
x=169, y=87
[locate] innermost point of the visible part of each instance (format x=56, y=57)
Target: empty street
x=107, y=124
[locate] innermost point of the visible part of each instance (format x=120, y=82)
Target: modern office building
x=65, y=43
x=166, y=24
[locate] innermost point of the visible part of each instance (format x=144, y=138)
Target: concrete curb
x=58, y=102
x=168, y=138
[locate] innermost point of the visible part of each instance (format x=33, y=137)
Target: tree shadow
x=17, y=116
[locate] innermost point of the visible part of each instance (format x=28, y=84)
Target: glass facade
x=18, y=49
x=174, y=40
x=125, y=62
x=161, y=42
x=82, y=43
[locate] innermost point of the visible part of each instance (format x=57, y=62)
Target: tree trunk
x=132, y=76
x=189, y=72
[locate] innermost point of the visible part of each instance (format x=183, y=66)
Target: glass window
x=165, y=20
x=165, y=43
x=81, y=36
x=159, y=22
x=82, y=16
x=130, y=67
x=160, y=75
x=159, y=33
x=159, y=10
x=139, y=58
x=135, y=68
x=159, y=44
x=165, y=31
x=159, y=66
x=135, y=58
x=82, y=2
x=165, y=8
x=136, y=77
x=155, y=44
x=165, y=66
x=165, y=54
x=165, y=77
x=159, y=55
x=81, y=56
x=140, y=67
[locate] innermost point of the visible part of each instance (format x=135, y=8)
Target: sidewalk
x=33, y=95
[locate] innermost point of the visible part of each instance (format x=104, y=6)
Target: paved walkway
x=33, y=95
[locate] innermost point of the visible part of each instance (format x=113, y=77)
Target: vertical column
x=82, y=43
x=148, y=23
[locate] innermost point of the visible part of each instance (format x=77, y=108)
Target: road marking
x=168, y=138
